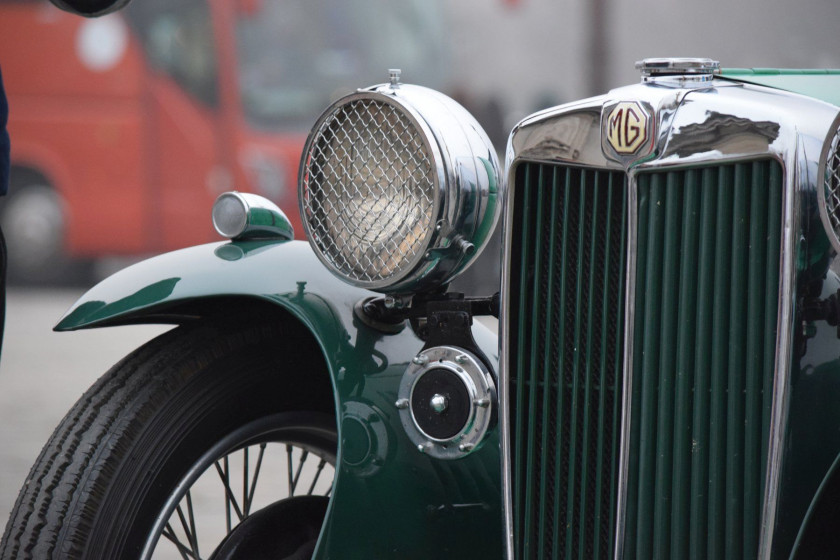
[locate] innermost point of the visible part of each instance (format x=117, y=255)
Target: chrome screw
x=466, y=447
x=483, y=403
x=462, y=359
x=401, y=404
x=439, y=403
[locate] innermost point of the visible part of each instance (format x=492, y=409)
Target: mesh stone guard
x=361, y=216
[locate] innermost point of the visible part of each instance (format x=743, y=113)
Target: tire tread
x=62, y=499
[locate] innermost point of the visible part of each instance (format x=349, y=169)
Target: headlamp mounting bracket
x=437, y=318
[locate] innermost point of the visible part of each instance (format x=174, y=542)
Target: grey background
x=543, y=49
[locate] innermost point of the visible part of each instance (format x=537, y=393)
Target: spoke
x=186, y=554
x=185, y=526
x=193, y=532
x=227, y=495
x=230, y=500
x=250, y=496
x=317, y=474
x=301, y=462
x=245, y=505
x=289, y=465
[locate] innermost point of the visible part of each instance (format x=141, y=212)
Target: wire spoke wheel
x=252, y=468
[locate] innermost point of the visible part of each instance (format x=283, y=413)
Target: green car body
x=389, y=500
x=676, y=476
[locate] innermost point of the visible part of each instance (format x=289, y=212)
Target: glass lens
x=369, y=191
x=229, y=215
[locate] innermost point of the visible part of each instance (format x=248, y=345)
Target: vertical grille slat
x=687, y=319
x=573, y=373
x=754, y=359
x=720, y=357
x=546, y=517
x=704, y=335
x=667, y=366
x=561, y=468
x=735, y=371
x=700, y=437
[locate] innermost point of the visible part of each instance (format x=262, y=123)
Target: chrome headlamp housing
x=399, y=188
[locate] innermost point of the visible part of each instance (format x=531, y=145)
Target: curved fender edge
x=283, y=273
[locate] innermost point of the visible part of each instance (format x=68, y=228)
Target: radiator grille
x=567, y=285
x=704, y=338
x=704, y=350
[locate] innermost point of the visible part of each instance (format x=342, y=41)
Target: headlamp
x=398, y=189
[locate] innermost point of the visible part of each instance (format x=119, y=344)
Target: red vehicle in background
x=126, y=128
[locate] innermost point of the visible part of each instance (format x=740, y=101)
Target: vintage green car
x=664, y=384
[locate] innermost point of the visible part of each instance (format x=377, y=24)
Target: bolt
x=462, y=359
x=483, y=403
x=466, y=447
x=394, y=76
x=420, y=359
x=390, y=302
x=424, y=447
x=401, y=404
x=439, y=403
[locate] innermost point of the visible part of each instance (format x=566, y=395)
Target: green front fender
x=389, y=500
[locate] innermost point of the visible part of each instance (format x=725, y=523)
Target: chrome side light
x=399, y=188
x=239, y=215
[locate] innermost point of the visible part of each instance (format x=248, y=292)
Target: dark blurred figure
x=90, y=8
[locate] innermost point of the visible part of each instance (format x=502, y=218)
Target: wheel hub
x=285, y=530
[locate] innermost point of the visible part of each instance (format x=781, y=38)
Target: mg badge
x=627, y=127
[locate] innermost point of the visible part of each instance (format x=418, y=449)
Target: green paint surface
x=816, y=83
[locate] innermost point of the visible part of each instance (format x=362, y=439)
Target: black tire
x=191, y=398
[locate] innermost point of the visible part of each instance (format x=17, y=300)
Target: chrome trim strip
x=629, y=317
x=504, y=328
x=784, y=346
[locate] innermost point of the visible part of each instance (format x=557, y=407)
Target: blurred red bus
x=126, y=128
